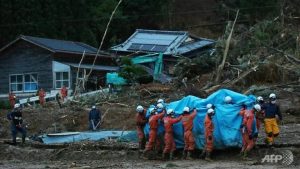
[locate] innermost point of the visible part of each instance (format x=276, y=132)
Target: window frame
x=37, y=80
x=23, y=82
x=62, y=80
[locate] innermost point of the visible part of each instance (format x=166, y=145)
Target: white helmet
x=210, y=111
x=170, y=111
x=160, y=106
x=139, y=108
x=257, y=107
x=160, y=101
x=208, y=106
x=93, y=107
x=186, y=109
x=272, y=96
x=259, y=98
x=17, y=105
x=227, y=99
x=151, y=110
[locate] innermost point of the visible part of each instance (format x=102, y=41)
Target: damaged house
x=171, y=44
x=29, y=63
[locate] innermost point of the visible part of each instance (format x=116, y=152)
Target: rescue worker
x=153, y=124
x=94, y=118
x=160, y=101
x=242, y=114
x=209, y=128
x=248, y=127
x=272, y=112
x=228, y=100
x=63, y=93
x=140, y=124
x=188, y=123
x=259, y=116
x=42, y=95
x=260, y=100
x=16, y=123
x=170, y=146
x=12, y=99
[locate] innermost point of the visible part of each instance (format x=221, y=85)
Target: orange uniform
x=248, y=117
x=140, y=124
x=169, y=139
x=209, y=128
x=64, y=93
x=153, y=123
x=187, y=121
x=12, y=100
x=42, y=95
x=242, y=113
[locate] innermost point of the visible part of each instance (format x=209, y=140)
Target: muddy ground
x=95, y=156
x=119, y=114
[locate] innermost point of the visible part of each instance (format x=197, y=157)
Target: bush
x=134, y=73
x=4, y=104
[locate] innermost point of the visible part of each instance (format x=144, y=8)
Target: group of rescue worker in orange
x=40, y=93
x=267, y=113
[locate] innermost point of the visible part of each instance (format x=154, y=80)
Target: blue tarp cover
x=89, y=135
x=226, y=121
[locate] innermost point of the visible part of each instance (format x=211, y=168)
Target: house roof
x=168, y=42
x=55, y=45
x=95, y=67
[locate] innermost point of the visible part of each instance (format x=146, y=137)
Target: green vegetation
x=78, y=20
x=133, y=73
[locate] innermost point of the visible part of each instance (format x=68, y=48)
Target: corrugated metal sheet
x=61, y=45
x=168, y=42
x=194, y=46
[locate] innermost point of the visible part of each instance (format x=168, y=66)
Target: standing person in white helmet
x=248, y=131
x=259, y=115
x=209, y=129
x=170, y=146
x=94, y=118
x=272, y=113
x=140, y=124
x=188, y=124
x=154, y=118
x=16, y=119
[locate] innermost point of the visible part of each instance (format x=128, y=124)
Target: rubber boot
x=208, y=157
x=184, y=154
x=23, y=140
x=164, y=156
x=189, y=155
x=145, y=155
x=202, y=155
x=171, y=156
x=245, y=155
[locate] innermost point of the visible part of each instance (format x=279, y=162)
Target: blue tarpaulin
x=81, y=136
x=226, y=121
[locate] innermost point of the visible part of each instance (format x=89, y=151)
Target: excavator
x=156, y=58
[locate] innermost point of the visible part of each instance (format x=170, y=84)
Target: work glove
x=250, y=137
x=210, y=138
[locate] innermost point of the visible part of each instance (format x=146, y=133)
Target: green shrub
x=4, y=104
